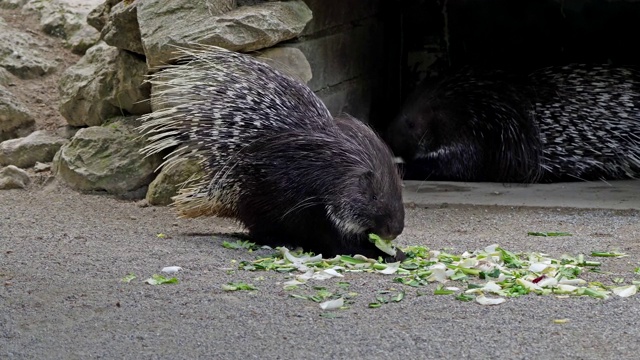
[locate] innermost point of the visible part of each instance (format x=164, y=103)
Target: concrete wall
x=342, y=44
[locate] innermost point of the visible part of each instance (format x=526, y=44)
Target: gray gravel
x=62, y=256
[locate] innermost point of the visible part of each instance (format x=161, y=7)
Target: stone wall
x=343, y=46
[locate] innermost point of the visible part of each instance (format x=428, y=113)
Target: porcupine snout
x=389, y=226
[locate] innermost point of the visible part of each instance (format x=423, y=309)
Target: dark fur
x=273, y=156
x=561, y=123
x=467, y=128
x=290, y=179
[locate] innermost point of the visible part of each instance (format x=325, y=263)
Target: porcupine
x=560, y=123
x=273, y=156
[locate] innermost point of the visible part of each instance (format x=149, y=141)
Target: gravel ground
x=63, y=254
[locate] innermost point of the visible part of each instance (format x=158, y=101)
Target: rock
x=40, y=167
x=83, y=39
x=19, y=54
x=106, y=158
x=61, y=18
x=67, y=131
x=244, y=29
x=169, y=181
x=12, y=177
x=287, y=60
x=6, y=78
x=25, y=152
x=12, y=4
x=122, y=30
x=99, y=16
x=105, y=82
x=15, y=118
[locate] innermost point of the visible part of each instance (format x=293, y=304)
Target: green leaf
x=238, y=286
x=536, y=233
x=607, y=254
x=495, y=273
x=384, y=245
x=464, y=297
x=440, y=290
x=595, y=293
x=398, y=297
x=156, y=279
x=352, y=260
x=416, y=252
x=127, y=279
x=240, y=244
x=510, y=259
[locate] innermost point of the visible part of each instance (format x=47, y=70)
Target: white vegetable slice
x=538, y=267
x=298, y=261
x=326, y=274
x=384, y=245
x=293, y=282
x=567, y=288
x=491, y=248
x=391, y=268
x=438, y=273
x=572, y=281
x=528, y=284
x=483, y=300
x=171, y=269
x=332, y=304
x=625, y=291
x=548, y=282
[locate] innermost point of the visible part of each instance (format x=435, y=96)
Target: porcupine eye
x=411, y=124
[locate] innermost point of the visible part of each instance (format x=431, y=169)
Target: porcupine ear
x=365, y=182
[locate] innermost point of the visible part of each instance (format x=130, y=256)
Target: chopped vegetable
x=238, y=286
x=128, y=278
x=156, y=279
x=536, y=233
x=171, y=269
x=607, y=254
x=332, y=304
x=483, y=300
x=240, y=244
x=384, y=245
x=488, y=276
x=625, y=291
x=442, y=291
x=398, y=297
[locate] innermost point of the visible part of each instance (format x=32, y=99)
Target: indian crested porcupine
x=562, y=123
x=273, y=156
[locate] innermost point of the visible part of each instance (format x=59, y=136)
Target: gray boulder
x=106, y=158
x=170, y=180
x=39, y=146
x=12, y=177
x=105, y=82
x=19, y=54
x=122, y=30
x=246, y=28
x=15, y=118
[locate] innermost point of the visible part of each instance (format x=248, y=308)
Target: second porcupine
x=273, y=156
x=575, y=122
